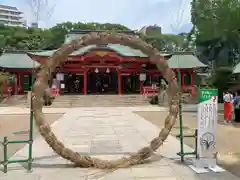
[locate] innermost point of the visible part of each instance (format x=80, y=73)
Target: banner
x=207, y=123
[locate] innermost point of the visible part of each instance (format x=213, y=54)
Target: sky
x=172, y=15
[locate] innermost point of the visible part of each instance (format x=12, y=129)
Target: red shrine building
x=106, y=68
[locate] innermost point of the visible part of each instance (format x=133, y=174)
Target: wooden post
x=119, y=83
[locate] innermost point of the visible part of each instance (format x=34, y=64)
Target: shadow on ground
x=228, y=144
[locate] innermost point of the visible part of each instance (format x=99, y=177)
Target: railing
x=55, y=92
x=150, y=91
x=182, y=153
x=6, y=142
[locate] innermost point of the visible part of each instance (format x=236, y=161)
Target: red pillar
x=119, y=83
x=141, y=86
x=21, y=83
x=16, y=84
x=4, y=86
x=182, y=78
x=85, y=82
x=193, y=81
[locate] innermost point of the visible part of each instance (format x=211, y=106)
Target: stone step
x=81, y=101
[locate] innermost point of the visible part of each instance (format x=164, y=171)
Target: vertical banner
x=207, y=124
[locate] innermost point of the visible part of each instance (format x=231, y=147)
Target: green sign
x=206, y=94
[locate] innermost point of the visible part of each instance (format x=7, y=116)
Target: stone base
x=205, y=163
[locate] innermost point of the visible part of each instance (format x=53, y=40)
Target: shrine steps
x=15, y=100
x=68, y=101
x=99, y=101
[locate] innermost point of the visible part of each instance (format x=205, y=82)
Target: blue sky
x=172, y=15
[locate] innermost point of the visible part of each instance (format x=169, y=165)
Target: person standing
x=236, y=103
x=99, y=86
x=228, y=103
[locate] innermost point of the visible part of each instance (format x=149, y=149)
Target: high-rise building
x=34, y=25
x=11, y=16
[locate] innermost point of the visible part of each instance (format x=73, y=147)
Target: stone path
x=21, y=110
x=106, y=133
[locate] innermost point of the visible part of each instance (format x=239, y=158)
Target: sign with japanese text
x=207, y=123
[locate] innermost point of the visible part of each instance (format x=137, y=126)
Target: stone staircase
x=99, y=101
x=16, y=100
x=68, y=101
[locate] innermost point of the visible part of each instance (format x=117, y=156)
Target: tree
x=46, y=39
x=60, y=30
x=53, y=38
x=165, y=42
x=216, y=25
x=221, y=79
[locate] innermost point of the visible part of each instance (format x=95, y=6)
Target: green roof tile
x=83, y=50
x=185, y=62
x=118, y=48
x=17, y=60
x=126, y=50
x=43, y=53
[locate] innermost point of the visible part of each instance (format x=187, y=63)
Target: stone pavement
x=23, y=110
x=106, y=133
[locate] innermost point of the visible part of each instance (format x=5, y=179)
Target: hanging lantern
x=96, y=70
x=108, y=70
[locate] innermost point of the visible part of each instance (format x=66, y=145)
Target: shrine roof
x=82, y=31
x=185, y=61
x=17, y=60
x=118, y=48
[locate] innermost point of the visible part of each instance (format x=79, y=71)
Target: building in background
x=34, y=25
x=154, y=30
x=11, y=16
x=116, y=68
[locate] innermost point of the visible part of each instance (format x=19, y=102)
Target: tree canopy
x=19, y=38
x=216, y=25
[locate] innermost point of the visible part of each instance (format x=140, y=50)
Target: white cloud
x=132, y=13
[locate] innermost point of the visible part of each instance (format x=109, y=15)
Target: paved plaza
x=107, y=133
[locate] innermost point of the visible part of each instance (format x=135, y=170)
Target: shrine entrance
x=73, y=83
x=130, y=83
x=102, y=81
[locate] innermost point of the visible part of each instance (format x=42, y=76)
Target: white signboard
x=62, y=86
x=142, y=77
x=207, y=123
x=60, y=76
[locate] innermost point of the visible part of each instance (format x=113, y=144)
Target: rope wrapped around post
x=61, y=55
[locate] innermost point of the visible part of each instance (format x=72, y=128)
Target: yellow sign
x=131, y=59
x=101, y=53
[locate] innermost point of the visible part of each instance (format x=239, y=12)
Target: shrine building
x=120, y=69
